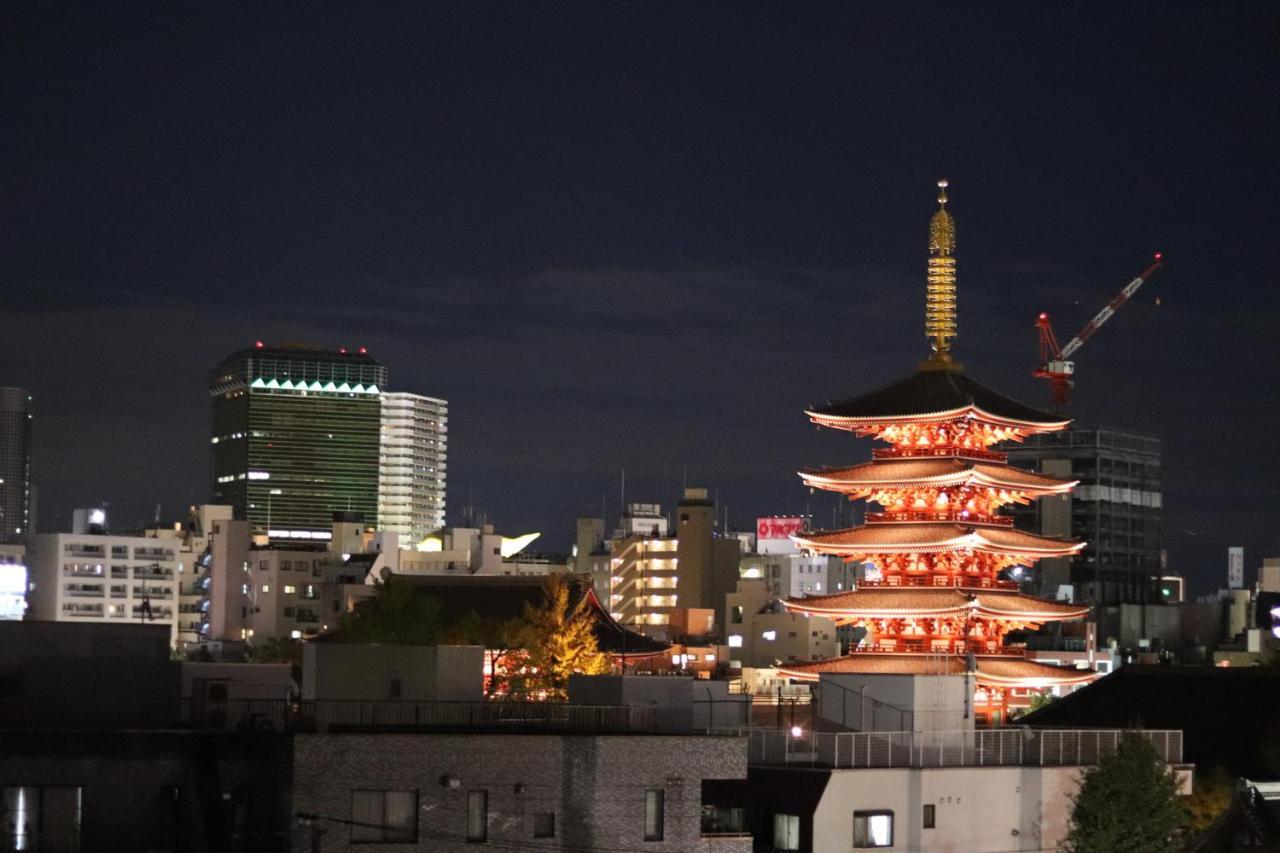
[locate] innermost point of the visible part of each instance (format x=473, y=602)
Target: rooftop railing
x=1017, y=747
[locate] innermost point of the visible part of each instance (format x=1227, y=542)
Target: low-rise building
x=761, y=635
x=84, y=577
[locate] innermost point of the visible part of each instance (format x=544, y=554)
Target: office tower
x=15, y=465
x=1116, y=510
x=412, y=463
x=295, y=437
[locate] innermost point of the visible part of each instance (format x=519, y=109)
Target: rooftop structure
x=940, y=542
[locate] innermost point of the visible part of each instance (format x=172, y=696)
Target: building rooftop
x=1230, y=715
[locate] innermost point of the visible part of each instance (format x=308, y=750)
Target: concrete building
x=296, y=437
x=1116, y=510
x=794, y=575
x=760, y=634
x=191, y=539
x=96, y=578
x=412, y=465
x=642, y=591
x=15, y=465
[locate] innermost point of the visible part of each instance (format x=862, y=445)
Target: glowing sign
x=778, y=527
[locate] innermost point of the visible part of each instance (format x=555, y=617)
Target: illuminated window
x=873, y=829
x=786, y=832
x=770, y=635
x=266, y=587
x=654, y=806
x=735, y=641
x=289, y=589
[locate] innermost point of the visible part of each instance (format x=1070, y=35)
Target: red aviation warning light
x=1056, y=365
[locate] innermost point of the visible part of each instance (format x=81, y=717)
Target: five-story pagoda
x=939, y=542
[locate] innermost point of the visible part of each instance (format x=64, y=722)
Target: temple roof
x=931, y=601
x=932, y=471
x=933, y=537
x=993, y=670
x=931, y=394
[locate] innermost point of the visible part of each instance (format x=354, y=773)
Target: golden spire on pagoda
x=940, y=292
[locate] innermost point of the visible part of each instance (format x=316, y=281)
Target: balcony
x=1017, y=747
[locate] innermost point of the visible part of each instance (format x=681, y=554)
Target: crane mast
x=1056, y=365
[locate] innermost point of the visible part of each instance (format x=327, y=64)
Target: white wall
x=978, y=809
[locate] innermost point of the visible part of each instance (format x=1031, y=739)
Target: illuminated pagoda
x=939, y=543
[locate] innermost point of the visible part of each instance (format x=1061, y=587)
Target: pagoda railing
x=935, y=452
x=939, y=515
x=901, y=648
x=997, y=747
x=940, y=582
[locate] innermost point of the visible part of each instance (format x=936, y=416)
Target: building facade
x=412, y=465
x=15, y=465
x=1116, y=511
x=296, y=435
x=93, y=578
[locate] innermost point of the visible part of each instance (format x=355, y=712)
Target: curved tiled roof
x=912, y=600
x=932, y=471
x=933, y=391
x=932, y=537
x=994, y=670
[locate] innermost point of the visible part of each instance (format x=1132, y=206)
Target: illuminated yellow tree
x=560, y=643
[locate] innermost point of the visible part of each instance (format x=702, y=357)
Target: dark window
x=930, y=814
x=393, y=689
x=544, y=825
x=384, y=817
x=653, y=814
x=873, y=829
x=477, y=815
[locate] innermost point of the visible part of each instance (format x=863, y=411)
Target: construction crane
x=1055, y=362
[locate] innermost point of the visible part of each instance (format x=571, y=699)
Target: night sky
x=641, y=236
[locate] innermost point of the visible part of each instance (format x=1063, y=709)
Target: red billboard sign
x=778, y=527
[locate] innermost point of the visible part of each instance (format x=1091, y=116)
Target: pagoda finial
x=940, y=291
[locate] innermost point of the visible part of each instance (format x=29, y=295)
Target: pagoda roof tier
x=934, y=395
x=944, y=471
x=993, y=670
x=931, y=538
x=889, y=602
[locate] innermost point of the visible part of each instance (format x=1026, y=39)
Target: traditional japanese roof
x=934, y=395
x=893, y=601
x=950, y=471
x=504, y=597
x=993, y=670
x=933, y=537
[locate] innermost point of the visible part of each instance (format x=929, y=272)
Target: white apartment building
x=79, y=577
x=13, y=582
x=191, y=540
x=794, y=575
x=760, y=637
x=412, y=463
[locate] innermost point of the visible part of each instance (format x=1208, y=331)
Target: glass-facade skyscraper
x=15, y=465
x=295, y=437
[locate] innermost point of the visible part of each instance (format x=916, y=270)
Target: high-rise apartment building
x=296, y=437
x=15, y=465
x=1116, y=510
x=412, y=464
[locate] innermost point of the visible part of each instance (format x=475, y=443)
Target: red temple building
x=939, y=541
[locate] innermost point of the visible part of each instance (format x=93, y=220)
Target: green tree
x=1128, y=803
x=504, y=642
x=560, y=643
x=396, y=615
